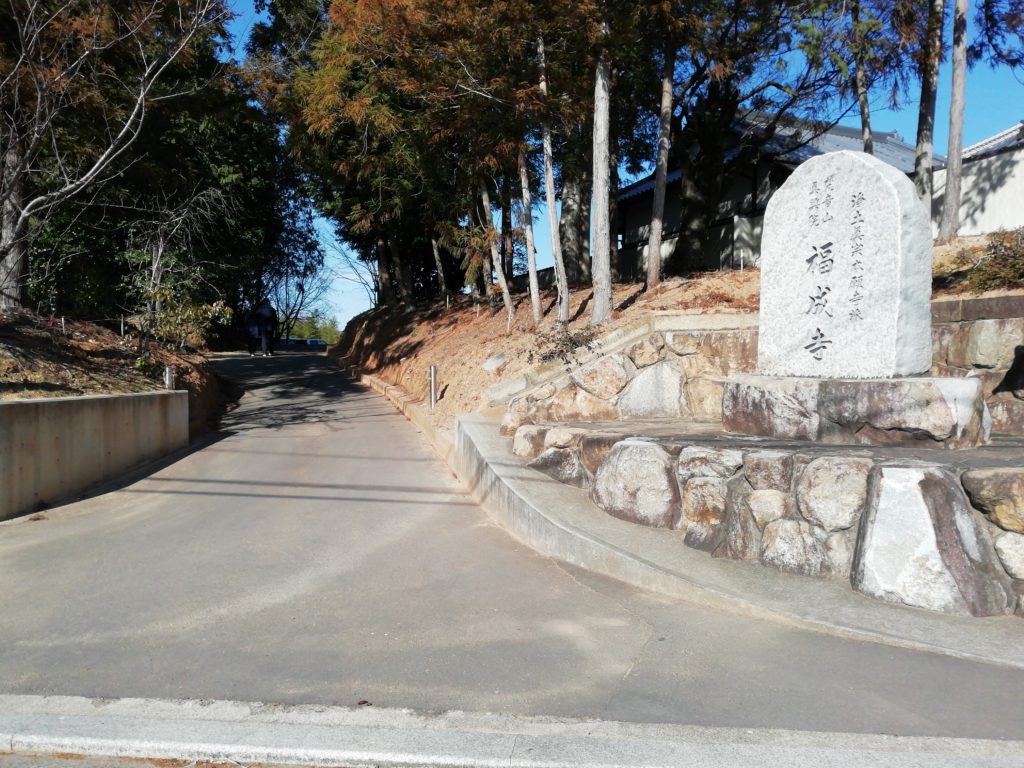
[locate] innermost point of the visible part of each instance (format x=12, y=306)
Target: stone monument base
x=931, y=411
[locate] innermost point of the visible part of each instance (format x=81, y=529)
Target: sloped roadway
x=317, y=551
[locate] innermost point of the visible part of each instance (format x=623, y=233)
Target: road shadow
x=289, y=390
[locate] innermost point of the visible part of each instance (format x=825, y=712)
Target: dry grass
x=43, y=357
x=401, y=345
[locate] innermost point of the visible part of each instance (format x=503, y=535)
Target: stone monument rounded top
x=846, y=269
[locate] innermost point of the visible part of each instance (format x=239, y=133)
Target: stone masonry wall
x=677, y=374
x=680, y=374
x=902, y=531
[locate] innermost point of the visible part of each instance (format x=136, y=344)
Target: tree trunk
x=506, y=297
x=531, y=252
x=600, y=255
x=442, y=284
x=615, y=268
x=931, y=53
x=575, y=226
x=13, y=240
x=950, y=222
x=661, y=170
x=403, y=276
x=860, y=78
x=561, y=282
x=865, y=111
x=569, y=226
x=385, y=285
x=583, y=222
x=507, y=244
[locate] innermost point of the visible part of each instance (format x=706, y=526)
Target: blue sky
x=995, y=102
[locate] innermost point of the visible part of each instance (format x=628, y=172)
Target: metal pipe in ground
x=433, y=386
x=168, y=377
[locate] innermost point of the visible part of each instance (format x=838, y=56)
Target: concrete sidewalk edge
x=248, y=733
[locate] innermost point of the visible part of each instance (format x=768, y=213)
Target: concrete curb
x=562, y=522
x=411, y=408
x=248, y=733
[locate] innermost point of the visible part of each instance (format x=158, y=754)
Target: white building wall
x=991, y=197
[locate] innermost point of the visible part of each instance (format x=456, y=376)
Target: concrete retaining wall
x=53, y=448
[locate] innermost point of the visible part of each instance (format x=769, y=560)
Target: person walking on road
x=261, y=325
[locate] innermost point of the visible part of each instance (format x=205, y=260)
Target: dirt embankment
x=400, y=344
x=50, y=357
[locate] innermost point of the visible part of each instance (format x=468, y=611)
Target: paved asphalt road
x=317, y=551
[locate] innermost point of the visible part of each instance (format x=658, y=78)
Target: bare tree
x=860, y=76
x=561, y=280
x=600, y=258
x=296, y=294
x=531, y=251
x=950, y=221
x=661, y=167
x=492, y=242
x=359, y=271
x=58, y=65
x=931, y=55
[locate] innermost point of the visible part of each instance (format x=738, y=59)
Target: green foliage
x=211, y=213
x=316, y=326
x=1001, y=264
x=182, y=322
x=149, y=367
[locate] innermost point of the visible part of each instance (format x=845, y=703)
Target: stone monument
x=845, y=325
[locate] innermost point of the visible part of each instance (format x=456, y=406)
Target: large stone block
x=920, y=545
x=606, y=376
x=767, y=506
x=741, y=538
x=704, y=394
x=773, y=407
x=949, y=344
x=950, y=411
x=794, y=546
x=703, y=512
x=832, y=491
x=990, y=343
x=845, y=272
x=563, y=465
x=594, y=449
x=769, y=470
x=563, y=437
x=999, y=493
x=707, y=461
x=839, y=547
x=946, y=412
x=729, y=352
x=1007, y=414
x=636, y=482
x=683, y=342
x=648, y=351
x=519, y=412
x=528, y=442
x=1010, y=548
x=573, y=403
x=655, y=392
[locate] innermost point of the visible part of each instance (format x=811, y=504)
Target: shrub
x=1002, y=263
